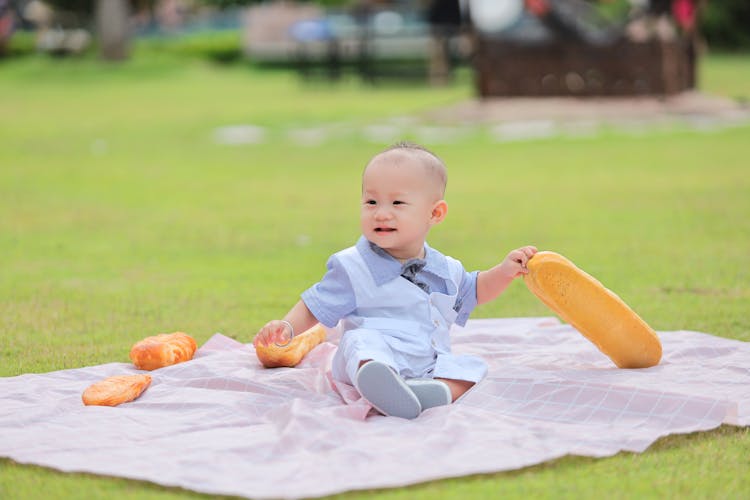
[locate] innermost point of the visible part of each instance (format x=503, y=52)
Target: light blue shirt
x=333, y=297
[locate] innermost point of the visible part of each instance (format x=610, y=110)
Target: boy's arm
x=277, y=331
x=331, y=298
x=493, y=282
x=300, y=318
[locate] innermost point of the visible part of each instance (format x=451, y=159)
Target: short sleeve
x=332, y=297
x=466, y=299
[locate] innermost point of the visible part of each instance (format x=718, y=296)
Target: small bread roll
x=272, y=356
x=162, y=350
x=113, y=391
x=592, y=309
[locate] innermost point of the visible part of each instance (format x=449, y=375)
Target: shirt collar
x=385, y=267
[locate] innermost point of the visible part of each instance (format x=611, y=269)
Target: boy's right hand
x=274, y=332
x=514, y=264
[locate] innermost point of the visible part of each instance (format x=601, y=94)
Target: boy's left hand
x=514, y=264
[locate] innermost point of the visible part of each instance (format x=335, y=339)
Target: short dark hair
x=432, y=162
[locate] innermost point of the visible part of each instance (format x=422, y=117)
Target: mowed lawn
x=122, y=216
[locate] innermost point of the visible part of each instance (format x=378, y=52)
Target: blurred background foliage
x=87, y=6
x=724, y=25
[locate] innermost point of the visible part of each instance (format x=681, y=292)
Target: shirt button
x=436, y=322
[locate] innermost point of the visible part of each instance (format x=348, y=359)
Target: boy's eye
x=398, y=202
x=370, y=202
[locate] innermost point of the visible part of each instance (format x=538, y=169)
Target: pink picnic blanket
x=222, y=424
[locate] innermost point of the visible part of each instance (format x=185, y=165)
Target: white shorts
x=363, y=344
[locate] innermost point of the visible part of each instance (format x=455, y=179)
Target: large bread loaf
x=595, y=311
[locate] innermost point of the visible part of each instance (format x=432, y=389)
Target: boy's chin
x=381, y=240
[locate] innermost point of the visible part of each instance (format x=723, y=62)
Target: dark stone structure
x=575, y=68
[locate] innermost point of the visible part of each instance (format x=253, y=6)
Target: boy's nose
x=382, y=213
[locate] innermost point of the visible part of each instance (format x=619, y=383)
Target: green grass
x=726, y=74
x=120, y=217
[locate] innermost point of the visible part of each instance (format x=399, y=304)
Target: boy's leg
x=356, y=347
x=433, y=392
x=386, y=391
x=457, y=387
x=430, y=392
x=459, y=372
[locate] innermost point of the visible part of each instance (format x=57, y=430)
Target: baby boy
x=395, y=296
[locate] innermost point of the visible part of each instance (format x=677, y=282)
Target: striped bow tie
x=410, y=270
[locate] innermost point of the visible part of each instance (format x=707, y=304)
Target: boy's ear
x=439, y=211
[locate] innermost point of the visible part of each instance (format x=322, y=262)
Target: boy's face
x=400, y=203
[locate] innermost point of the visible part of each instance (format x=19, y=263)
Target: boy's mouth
x=384, y=229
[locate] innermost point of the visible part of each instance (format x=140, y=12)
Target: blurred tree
x=113, y=28
x=726, y=24
x=112, y=22
x=222, y=4
x=6, y=25
x=235, y=3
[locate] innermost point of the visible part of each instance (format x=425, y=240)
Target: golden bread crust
x=162, y=350
x=273, y=356
x=592, y=309
x=116, y=390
